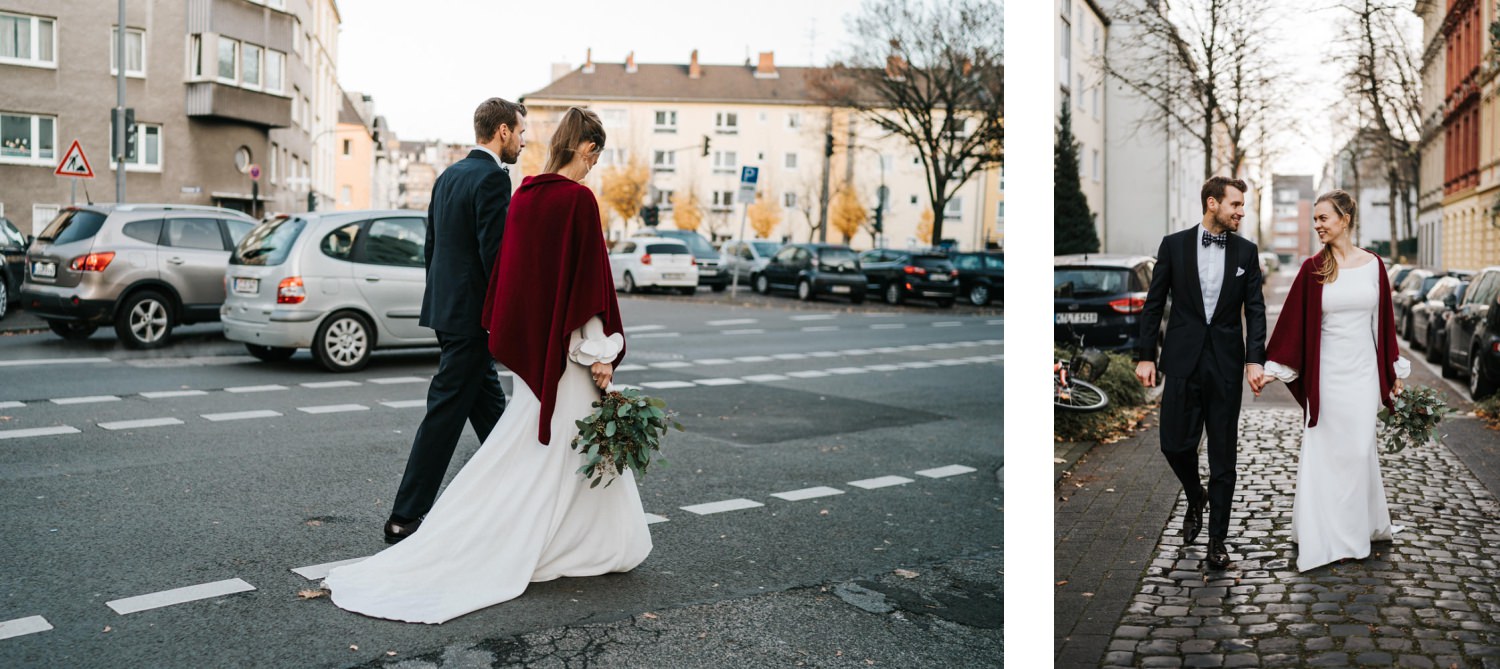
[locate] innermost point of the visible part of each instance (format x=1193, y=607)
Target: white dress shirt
x=492, y=155
x=1210, y=271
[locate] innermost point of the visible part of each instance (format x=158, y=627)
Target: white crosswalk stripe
x=190, y=593
x=137, y=424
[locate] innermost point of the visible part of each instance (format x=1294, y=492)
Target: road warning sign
x=74, y=163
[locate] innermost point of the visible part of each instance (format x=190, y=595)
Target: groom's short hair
x=1214, y=188
x=492, y=113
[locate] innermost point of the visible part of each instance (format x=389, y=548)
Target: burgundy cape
x=551, y=277
x=1299, y=334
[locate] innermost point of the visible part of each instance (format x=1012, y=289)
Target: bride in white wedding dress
x=1335, y=342
x=519, y=512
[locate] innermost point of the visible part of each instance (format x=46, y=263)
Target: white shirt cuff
x=1280, y=372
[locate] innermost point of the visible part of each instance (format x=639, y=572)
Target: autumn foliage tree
x=924, y=228
x=846, y=213
x=765, y=215
x=623, y=187
x=687, y=211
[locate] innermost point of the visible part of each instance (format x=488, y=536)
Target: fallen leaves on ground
x=1064, y=582
x=648, y=615
x=107, y=628
x=353, y=647
x=310, y=593
x=906, y=573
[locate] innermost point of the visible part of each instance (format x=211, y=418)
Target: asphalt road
x=776, y=395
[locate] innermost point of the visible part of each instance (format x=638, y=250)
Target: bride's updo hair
x=578, y=127
x=1343, y=204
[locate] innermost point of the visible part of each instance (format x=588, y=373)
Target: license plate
x=839, y=289
x=1078, y=318
x=246, y=286
x=671, y=276
x=708, y=272
x=940, y=277
x=44, y=269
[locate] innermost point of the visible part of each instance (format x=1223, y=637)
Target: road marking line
x=86, y=400
x=887, y=326
x=240, y=415
x=334, y=408
x=755, y=358
x=949, y=362
x=821, y=328
x=12, y=405
x=888, y=349
x=742, y=332
x=918, y=365
x=807, y=493
x=713, y=361
x=720, y=382
x=857, y=351
x=330, y=384
x=950, y=470
x=623, y=386
x=721, y=507
x=643, y=328
x=989, y=342
x=23, y=626
x=669, y=384
x=631, y=368
x=731, y=321
x=655, y=335
x=943, y=345
x=884, y=368
x=320, y=571
x=881, y=482
x=996, y=321
x=848, y=370
x=53, y=361
x=144, y=422
x=254, y=389
x=652, y=519
x=405, y=404
x=671, y=364
x=822, y=354
x=808, y=374
x=790, y=356
x=814, y=317
x=763, y=378
x=879, y=315
x=397, y=379
x=947, y=324
x=915, y=347
x=38, y=432
x=163, y=394
x=190, y=593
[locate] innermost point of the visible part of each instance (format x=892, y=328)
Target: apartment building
x=1291, y=234
x=1470, y=177
x=364, y=167
x=1433, y=140
x=1082, y=33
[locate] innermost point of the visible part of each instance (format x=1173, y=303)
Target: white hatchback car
x=340, y=283
x=653, y=262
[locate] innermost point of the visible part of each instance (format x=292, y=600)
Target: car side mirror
x=29, y=240
x=1450, y=301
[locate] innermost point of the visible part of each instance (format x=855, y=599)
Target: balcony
x=211, y=99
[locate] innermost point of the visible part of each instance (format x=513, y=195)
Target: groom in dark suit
x=465, y=221
x=1214, y=280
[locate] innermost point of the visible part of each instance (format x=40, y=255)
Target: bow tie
x=1221, y=239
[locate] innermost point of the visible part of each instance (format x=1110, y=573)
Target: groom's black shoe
x=396, y=530
x=1193, y=522
x=1218, y=555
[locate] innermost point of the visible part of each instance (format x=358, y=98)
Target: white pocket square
x=1239, y=271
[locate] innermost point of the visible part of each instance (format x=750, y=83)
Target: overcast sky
x=428, y=68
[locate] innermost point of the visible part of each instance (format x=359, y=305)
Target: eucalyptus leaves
x=624, y=430
x=1418, y=412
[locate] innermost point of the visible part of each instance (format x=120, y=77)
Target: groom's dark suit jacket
x=1188, y=328
x=465, y=222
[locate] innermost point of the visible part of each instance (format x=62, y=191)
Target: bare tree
x=931, y=74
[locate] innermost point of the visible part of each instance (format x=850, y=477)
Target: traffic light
x=705, y=146
x=828, y=144
x=130, y=130
x=649, y=216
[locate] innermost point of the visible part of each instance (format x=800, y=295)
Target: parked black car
x=1474, y=335
x=812, y=270
x=1430, y=318
x=12, y=264
x=1410, y=292
x=981, y=276
x=900, y=275
x=704, y=255
x=1100, y=297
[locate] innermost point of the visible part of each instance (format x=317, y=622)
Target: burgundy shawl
x=1299, y=333
x=551, y=277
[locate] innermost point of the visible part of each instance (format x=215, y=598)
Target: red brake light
x=93, y=262
x=1129, y=305
x=913, y=269
x=646, y=259
x=290, y=291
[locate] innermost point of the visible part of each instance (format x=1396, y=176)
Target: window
x=296, y=106
x=251, y=78
x=789, y=199
x=1095, y=92
x=723, y=200
x=144, y=148
x=725, y=161
x=1079, y=92
x=793, y=120
x=346, y=195
x=275, y=70
x=666, y=121
x=195, y=233
x=237, y=230
x=954, y=126
x=664, y=161
x=348, y=148
x=273, y=162
x=727, y=123
x=28, y=138
x=1096, y=165
x=664, y=199
x=297, y=39
x=612, y=118
x=1096, y=39
x=229, y=61
x=195, y=55
x=395, y=241
x=954, y=209
x=791, y=160
x=339, y=243
x=135, y=52
x=27, y=40
x=612, y=156
x=1065, y=39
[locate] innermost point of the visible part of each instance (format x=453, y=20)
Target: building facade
x=364, y=172
x=1291, y=234
x=1082, y=32
x=1469, y=238
x=1433, y=141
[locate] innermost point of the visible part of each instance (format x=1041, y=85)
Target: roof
x=670, y=82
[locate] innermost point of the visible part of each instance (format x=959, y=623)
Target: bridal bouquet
x=624, y=431
x=1418, y=410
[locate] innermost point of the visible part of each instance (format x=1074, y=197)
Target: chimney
x=588, y=62
x=630, y=67
x=694, y=69
x=895, y=67
x=767, y=67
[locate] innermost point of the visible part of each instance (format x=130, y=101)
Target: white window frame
x=727, y=123
x=346, y=194
x=139, y=164
x=297, y=105
x=195, y=57
x=260, y=66
x=726, y=162
x=788, y=199
x=664, y=199
x=36, y=136
x=670, y=125
x=793, y=120
x=113, y=50
x=35, y=58
x=954, y=209
x=614, y=118
x=1095, y=173
x=219, y=61
x=273, y=162
x=723, y=200
x=790, y=160
x=280, y=71
x=658, y=164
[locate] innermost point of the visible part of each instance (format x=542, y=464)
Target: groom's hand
x=1256, y=375
x=1145, y=370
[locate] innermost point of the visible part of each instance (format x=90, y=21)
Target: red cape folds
x=1297, y=340
x=552, y=276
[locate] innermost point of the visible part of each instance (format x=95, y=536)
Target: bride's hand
x=602, y=373
x=1396, y=389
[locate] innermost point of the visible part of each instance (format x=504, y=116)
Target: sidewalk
x=18, y=321
x=1428, y=599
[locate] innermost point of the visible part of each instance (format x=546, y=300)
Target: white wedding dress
x=518, y=512
x=1339, y=506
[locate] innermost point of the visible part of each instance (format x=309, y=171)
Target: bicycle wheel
x=1080, y=396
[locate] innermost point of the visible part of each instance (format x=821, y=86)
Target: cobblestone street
x=1427, y=599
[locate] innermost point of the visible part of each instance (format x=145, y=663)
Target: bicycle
x=1072, y=380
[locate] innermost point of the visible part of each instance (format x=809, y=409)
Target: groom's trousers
x=1192, y=404
x=465, y=388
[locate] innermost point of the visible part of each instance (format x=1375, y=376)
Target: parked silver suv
x=145, y=268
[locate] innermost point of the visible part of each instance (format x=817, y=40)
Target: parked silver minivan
x=341, y=283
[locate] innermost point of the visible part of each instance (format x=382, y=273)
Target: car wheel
x=4, y=298
x=979, y=295
x=144, y=320
x=630, y=286
x=762, y=284
x=1480, y=384
x=72, y=330
x=690, y=290
x=343, y=342
x=804, y=290
x=892, y=293
x=270, y=353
